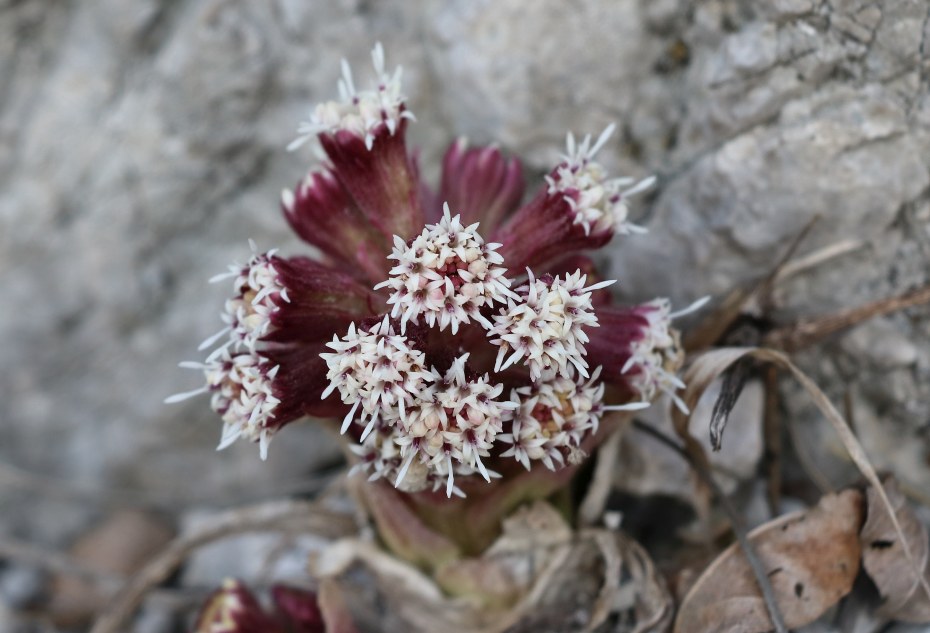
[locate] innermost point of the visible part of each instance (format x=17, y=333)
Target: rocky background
x=142, y=144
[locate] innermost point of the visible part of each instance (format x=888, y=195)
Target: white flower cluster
x=446, y=274
x=240, y=385
x=248, y=313
x=380, y=458
x=361, y=112
x=544, y=326
x=598, y=202
x=455, y=424
x=553, y=416
x=237, y=375
x=440, y=424
x=377, y=370
x=420, y=425
x=658, y=351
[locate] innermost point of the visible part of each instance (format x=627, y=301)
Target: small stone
x=881, y=343
x=21, y=586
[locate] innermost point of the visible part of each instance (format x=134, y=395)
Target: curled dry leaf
x=551, y=578
x=884, y=561
x=707, y=367
x=811, y=559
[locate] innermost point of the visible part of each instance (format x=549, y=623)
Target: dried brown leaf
x=120, y=545
x=543, y=572
x=706, y=367
x=884, y=560
x=811, y=559
x=335, y=611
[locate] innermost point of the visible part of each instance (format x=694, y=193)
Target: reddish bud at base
x=480, y=184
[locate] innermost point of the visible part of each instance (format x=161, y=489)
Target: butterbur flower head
x=233, y=608
x=597, y=201
x=257, y=293
x=580, y=207
x=455, y=424
x=377, y=372
x=552, y=417
x=446, y=275
x=639, y=349
x=546, y=325
x=363, y=113
x=243, y=395
x=265, y=371
x=448, y=356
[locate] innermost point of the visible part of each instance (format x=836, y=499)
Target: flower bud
x=480, y=184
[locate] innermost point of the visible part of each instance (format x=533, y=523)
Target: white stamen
x=180, y=397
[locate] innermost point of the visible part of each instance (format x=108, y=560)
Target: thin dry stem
x=50, y=560
x=592, y=507
x=699, y=462
x=809, y=331
x=290, y=516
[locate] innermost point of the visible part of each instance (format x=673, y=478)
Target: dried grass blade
x=709, y=365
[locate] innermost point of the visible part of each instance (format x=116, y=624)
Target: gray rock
x=21, y=586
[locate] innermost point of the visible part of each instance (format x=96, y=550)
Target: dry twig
x=809, y=331
x=291, y=516
x=701, y=467
x=50, y=560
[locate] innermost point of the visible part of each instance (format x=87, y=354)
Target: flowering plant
x=453, y=360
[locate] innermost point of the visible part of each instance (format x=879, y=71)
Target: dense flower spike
x=639, y=350
x=243, y=394
x=553, y=417
x=248, y=313
x=263, y=375
x=363, y=137
x=545, y=325
x=446, y=274
x=380, y=457
x=411, y=318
